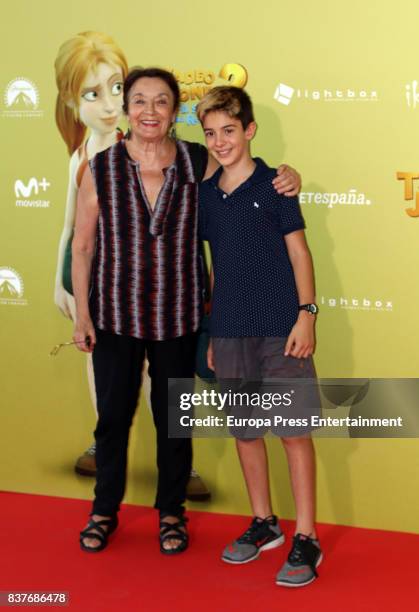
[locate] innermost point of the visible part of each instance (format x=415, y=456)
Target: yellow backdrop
x=335, y=94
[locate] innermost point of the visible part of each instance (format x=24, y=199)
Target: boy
x=262, y=317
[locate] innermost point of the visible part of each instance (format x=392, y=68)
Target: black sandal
x=100, y=534
x=173, y=531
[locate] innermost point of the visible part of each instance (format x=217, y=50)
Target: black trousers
x=118, y=363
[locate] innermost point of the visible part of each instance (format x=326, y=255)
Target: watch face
x=311, y=308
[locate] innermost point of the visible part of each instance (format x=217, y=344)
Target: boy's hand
x=301, y=341
x=210, y=357
x=287, y=181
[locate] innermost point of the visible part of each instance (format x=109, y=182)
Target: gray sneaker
x=300, y=567
x=262, y=534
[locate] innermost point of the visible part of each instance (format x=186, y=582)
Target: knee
x=296, y=442
x=248, y=443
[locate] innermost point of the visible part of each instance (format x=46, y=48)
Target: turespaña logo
x=24, y=191
x=333, y=199
x=284, y=94
x=194, y=84
x=408, y=178
x=412, y=94
x=11, y=287
x=357, y=303
x=21, y=99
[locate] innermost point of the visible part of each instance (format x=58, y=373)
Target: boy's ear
x=250, y=131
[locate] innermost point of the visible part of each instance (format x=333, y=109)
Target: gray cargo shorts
x=254, y=371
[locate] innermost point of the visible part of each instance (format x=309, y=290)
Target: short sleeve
x=199, y=159
x=291, y=218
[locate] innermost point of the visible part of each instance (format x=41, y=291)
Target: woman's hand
x=287, y=181
x=84, y=335
x=61, y=300
x=301, y=341
x=210, y=357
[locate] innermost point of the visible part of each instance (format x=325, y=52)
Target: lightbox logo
x=333, y=199
x=21, y=99
x=11, y=288
x=285, y=93
x=408, y=178
x=24, y=191
x=412, y=94
x=357, y=303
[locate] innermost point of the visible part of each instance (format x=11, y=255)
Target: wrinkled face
x=226, y=138
x=100, y=102
x=151, y=109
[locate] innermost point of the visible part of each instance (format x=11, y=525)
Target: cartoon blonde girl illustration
x=90, y=69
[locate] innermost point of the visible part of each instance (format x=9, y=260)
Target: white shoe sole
x=269, y=546
x=301, y=584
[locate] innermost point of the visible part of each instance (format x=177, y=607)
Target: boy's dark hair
x=232, y=100
x=152, y=73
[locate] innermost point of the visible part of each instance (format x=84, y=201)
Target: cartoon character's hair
x=75, y=58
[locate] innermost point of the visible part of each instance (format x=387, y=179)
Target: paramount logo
x=11, y=287
x=21, y=99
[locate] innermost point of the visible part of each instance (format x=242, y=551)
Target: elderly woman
x=138, y=291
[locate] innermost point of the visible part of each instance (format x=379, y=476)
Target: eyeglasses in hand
x=57, y=347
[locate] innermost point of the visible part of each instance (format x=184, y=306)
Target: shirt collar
x=123, y=143
x=259, y=174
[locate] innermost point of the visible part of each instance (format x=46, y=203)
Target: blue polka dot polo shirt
x=254, y=290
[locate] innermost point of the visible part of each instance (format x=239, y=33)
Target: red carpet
x=362, y=570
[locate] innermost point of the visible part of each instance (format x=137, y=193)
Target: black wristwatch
x=311, y=308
